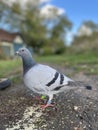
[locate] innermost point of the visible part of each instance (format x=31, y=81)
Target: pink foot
x=47, y=105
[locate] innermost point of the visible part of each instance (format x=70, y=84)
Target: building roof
x=7, y=36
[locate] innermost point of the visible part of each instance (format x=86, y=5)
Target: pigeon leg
x=43, y=97
x=40, y=98
x=37, y=98
x=48, y=103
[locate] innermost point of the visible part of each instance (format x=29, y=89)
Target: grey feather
x=28, y=62
x=45, y=80
x=80, y=84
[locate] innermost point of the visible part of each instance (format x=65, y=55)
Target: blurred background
x=63, y=32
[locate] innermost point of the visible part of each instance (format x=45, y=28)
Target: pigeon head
x=23, y=52
x=27, y=59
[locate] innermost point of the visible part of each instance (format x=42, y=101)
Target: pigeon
x=45, y=80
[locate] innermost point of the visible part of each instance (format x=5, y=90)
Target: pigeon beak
x=16, y=53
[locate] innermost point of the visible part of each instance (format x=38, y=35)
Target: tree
x=58, y=33
x=85, y=43
x=90, y=24
x=33, y=26
x=87, y=27
x=27, y=21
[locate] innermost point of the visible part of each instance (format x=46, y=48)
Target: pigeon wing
x=44, y=78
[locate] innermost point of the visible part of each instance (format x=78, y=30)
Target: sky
x=79, y=10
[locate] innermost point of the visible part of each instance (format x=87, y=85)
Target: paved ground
x=74, y=110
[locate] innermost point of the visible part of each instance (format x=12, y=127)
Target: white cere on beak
x=16, y=53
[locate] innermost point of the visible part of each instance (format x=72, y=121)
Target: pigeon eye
x=22, y=50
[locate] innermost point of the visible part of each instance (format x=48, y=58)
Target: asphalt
x=73, y=110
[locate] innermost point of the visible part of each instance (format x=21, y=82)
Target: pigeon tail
x=79, y=83
x=88, y=87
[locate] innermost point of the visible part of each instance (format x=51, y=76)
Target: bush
x=60, y=50
x=46, y=51
x=49, y=50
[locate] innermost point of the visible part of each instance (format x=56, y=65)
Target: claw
x=47, y=105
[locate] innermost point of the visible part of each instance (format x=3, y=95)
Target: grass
x=88, y=58
x=87, y=63
x=9, y=67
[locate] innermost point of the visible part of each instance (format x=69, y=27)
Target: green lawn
x=9, y=67
x=87, y=63
x=70, y=59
